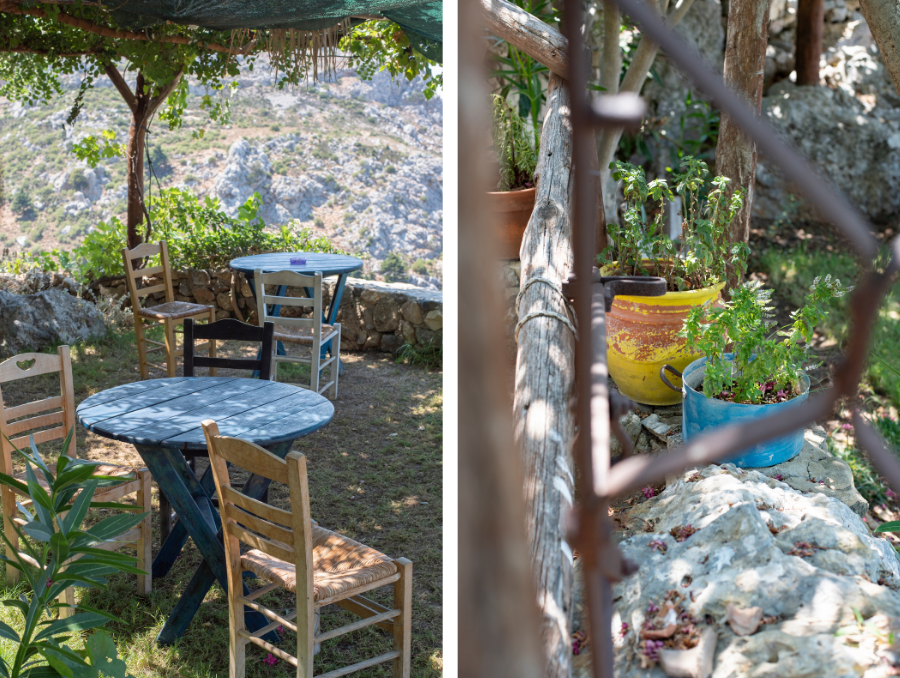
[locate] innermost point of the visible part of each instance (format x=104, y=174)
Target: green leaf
x=115, y=525
x=891, y=526
x=80, y=506
x=7, y=631
x=103, y=653
x=81, y=621
x=38, y=531
x=60, y=546
x=9, y=481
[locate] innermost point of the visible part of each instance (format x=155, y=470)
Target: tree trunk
x=810, y=24
x=883, y=19
x=543, y=421
x=745, y=61
x=143, y=106
x=633, y=81
x=498, y=625
x=135, y=153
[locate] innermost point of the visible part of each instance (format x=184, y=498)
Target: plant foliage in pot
x=513, y=201
x=761, y=375
x=643, y=332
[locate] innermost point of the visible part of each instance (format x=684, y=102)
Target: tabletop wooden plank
x=306, y=421
x=191, y=419
x=89, y=415
x=239, y=425
x=160, y=413
x=131, y=389
x=328, y=264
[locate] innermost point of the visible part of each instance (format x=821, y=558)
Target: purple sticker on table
x=298, y=261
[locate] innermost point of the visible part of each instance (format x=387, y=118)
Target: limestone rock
x=37, y=321
x=434, y=320
x=386, y=316
x=746, y=526
x=631, y=423
x=815, y=470
x=412, y=313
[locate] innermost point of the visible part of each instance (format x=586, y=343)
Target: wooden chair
x=59, y=413
x=169, y=314
x=291, y=551
x=229, y=329
x=310, y=332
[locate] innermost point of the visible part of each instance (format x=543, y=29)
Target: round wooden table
x=161, y=417
x=328, y=265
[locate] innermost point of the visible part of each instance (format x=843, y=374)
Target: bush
x=21, y=203
x=393, y=268
x=78, y=180
x=420, y=267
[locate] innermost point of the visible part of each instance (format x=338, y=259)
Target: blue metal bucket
x=700, y=413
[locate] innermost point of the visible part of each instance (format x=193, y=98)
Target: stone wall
x=374, y=315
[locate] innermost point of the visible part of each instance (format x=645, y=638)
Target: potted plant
x=643, y=332
x=513, y=201
x=761, y=375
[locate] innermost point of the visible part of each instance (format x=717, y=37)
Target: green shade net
x=421, y=21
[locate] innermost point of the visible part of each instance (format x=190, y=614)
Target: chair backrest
x=17, y=429
x=229, y=329
x=131, y=275
x=312, y=284
x=286, y=535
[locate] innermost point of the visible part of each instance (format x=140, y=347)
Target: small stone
x=245, y=289
x=204, y=295
x=412, y=313
x=184, y=289
x=224, y=301
x=694, y=663
x=199, y=278
x=370, y=296
x=656, y=427
x=221, y=315
x=386, y=316
x=435, y=320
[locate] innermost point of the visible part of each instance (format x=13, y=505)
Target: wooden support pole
x=545, y=378
x=498, y=621
x=526, y=32
x=810, y=24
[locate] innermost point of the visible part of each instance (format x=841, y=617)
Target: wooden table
x=161, y=417
x=327, y=264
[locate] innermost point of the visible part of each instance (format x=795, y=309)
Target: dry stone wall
x=374, y=316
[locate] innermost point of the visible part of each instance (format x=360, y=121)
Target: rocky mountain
x=358, y=161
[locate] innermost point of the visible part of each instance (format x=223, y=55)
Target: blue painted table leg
x=187, y=494
x=171, y=548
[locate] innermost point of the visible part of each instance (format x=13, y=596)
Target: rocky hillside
x=357, y=161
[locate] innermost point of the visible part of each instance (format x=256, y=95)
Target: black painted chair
x=228, y=329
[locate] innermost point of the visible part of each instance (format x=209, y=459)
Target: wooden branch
x=45, y=52
x=545, y=377
x=164, y=93
x=119, y=82
x=611, y=66
x=526, y=32
x=107, y=32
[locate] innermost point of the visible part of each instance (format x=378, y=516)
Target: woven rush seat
x=301, y=335
x=173, y=310
x=102, y=470
x=340, y=565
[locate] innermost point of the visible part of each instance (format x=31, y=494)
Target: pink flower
x=864, y=519
x=49, y=583
x=846, y=427
x=624, y=628
x=779, y=477
x=658, y=545
x=270, y=660
x=890, y=493
x=782, y=395
x=280, y=630
x=648, y=492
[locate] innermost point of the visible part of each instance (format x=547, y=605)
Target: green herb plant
x=640, y=245
x=60, y=552
x=767, y=362
x=512, y=142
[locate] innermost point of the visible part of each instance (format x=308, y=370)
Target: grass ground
x=374, y=474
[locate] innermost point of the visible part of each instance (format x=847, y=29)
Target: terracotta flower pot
x=511, y=211
x=642, y=336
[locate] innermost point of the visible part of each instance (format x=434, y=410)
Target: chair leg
x=237, y=643
x=68, y=597
x=145, y=541
x=336, y=365
x=165, y=517
x=402, y=630
x=9, y=512
x=171, y=348
x=141, y=347
x=314, y=368
x=213, y=371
